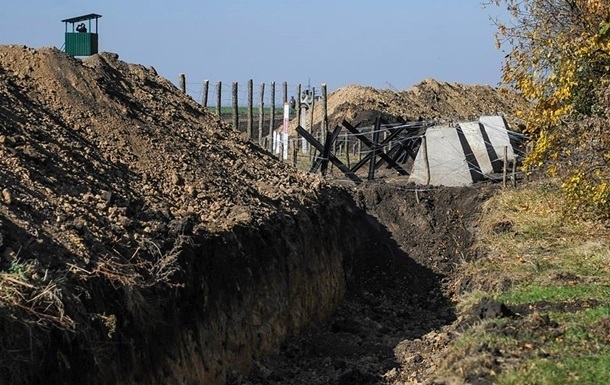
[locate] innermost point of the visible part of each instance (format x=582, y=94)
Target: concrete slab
x=497, y=132
x=481, y=151
x=446, y=159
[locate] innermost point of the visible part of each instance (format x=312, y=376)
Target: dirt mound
x=429, y=100
x=107, y=173
x=54, y=104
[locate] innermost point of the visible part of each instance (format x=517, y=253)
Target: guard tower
x=81, y=40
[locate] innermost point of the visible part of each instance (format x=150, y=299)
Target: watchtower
x=81, y=40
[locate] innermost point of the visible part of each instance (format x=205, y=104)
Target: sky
x=383, y=44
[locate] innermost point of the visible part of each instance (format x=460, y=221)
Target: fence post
x=272, y=118
x=504, y=169
x=426, y=162
x=261, y=114
x=235, y=107
x=182, y=82
x=297, y=107
x=347, y=151
x=311, y=108
x=374, y=149
x=515, y=172
x=285, y=92
x=219, y=98
x=250, y=124
x=206, y=87
x=324, y=109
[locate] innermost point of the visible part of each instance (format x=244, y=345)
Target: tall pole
x=261, y=114
x=250, y=112
x=324, y=109
x=206, y=87
x=235, y=107
x=271, y=119
x=182, y=82
x=219, y=98
x=284, y=92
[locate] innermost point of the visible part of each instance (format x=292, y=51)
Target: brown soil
x=119, y=193
x=428, y=100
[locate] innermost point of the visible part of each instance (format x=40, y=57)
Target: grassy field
x=553, y=272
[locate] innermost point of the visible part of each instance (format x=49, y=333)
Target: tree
x=558, y=56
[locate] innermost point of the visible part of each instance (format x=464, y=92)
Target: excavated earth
x=144, y=242
x=431, y=100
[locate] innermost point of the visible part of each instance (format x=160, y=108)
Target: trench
x=321, y=297
x=324, y=297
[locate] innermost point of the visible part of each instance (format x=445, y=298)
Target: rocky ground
x=105, y=166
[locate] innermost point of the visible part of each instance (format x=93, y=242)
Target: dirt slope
x=429, y=100
x=107, y=174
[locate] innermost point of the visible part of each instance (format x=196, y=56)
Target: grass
x=555, y=293
x=594, y=369
x=556, y=267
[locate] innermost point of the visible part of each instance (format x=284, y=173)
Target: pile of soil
x=108, y=175
x=428, y=100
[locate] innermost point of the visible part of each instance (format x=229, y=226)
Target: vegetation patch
x=549, y=270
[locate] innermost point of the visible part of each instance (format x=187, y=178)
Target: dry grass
x=541, y=257
x=530, y=239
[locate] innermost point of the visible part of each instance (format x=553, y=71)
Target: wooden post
x=235, y=107
x=311, y=130
x=426, y=162
x=285, y=92
x=374, y=148
x=261, y=114
x=324, y=109
x=204, y=98
x=515, y=172
x=385, y=136
x=298, y=104
x=219, y=98
x=272, y=118
x=250, y=112
x=183, y=83
x=504, y=169
x=313, y=103
x=347, y=151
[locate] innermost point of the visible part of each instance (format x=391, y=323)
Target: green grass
x=594, y=370
x=557, y=267
x=555, y=293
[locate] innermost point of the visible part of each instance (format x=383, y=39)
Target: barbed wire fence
x=258, y=110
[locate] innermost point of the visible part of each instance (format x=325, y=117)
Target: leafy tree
x=558, y=56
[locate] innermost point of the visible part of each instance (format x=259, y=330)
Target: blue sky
x=383, y=43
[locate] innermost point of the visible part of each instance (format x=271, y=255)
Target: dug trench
x=398, y=294
x=327, y=296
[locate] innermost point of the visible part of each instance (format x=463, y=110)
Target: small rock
x=106, y=196
x=9, y=255
x=176, y=179
x=6, y=196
